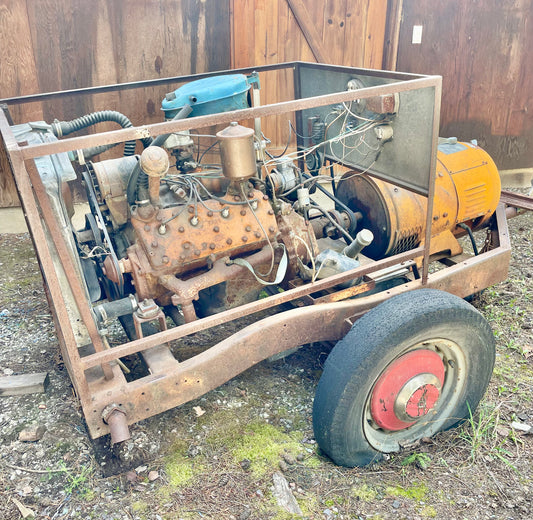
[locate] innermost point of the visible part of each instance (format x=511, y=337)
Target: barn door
x=340, y=32
x=483, y=49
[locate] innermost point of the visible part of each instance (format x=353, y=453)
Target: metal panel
x=404, y=160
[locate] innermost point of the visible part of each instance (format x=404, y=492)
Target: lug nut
x=244, y=238
x=212, y=246
x=271, y=229
x=181, y=229
x=229, y=241
x=216, y=229
x=243, y=212
x=248, y=228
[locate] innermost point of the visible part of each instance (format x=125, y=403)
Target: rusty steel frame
x=98, y=381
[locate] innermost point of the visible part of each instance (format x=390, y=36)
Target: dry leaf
x=24, y=511
x=198, y=411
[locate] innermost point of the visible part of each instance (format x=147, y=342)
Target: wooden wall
x=50, y=45
x=341, y=32
x=484, y=51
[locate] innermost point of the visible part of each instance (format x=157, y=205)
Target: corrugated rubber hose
x=62, y=128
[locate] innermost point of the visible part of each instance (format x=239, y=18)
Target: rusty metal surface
x=127, y=134
x=517, y=200
x=117, y=87
x=326, y=322
x=172, y=241
x=244, y=310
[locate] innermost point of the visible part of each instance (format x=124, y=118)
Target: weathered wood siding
x=341, y=32
x=50, y=45
x=484, y=51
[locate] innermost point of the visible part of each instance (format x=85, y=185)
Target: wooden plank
x=243, y=35
x=17, y=77
x=392, y=34
x=354, y=42
x=24, y=384
x=309, y=30
x=375, y=34
x=487, y=78
x=334, y=30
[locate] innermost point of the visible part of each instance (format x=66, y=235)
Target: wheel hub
x=408, y=390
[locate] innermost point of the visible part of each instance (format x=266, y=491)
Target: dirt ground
x=215, y=457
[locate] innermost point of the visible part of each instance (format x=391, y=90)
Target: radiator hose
x=63, y=128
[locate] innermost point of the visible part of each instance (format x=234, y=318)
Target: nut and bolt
x=186, y=245
x=271, y=229
x=216, y=229
x=212, y=246
x=271, y=212
x=209, y=213
x=190, y=209
x=243, y=212
x=244, y=238
x=197, y=252
x=248, y=228
x=229, y=241
x=181, y=229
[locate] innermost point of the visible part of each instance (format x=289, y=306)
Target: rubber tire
x=377, y=339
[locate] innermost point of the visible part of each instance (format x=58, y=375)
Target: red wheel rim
x=407, y=390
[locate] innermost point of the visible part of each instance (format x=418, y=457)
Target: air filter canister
x=237, y=152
